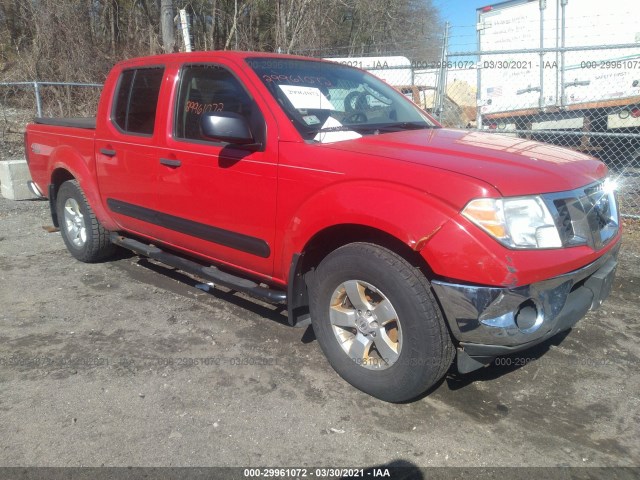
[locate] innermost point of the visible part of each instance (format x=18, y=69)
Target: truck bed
x=88, y=123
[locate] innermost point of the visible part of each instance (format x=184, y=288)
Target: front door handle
x=170, y=162
x=108, y=152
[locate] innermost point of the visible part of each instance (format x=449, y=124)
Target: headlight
x=521, y=222
x=610, y=186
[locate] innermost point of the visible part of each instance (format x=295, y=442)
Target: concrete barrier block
x=14, y=175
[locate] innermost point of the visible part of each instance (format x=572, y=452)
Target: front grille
x=586, y=216
x=565, y=227
x=597, y=201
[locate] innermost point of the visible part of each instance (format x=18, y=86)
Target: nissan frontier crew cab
x=315, y=184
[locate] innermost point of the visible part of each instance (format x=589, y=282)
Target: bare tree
x=291, y=20
x=56, y=40
x=168, y=27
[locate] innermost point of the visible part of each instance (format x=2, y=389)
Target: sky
x=461, y=14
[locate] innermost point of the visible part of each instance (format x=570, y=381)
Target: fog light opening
x=528, y=317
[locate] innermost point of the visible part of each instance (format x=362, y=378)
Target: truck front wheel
x=81, y=231
x=377, y=322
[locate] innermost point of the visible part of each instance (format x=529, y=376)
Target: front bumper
x=489, y=321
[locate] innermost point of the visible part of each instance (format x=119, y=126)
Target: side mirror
x=226, y=127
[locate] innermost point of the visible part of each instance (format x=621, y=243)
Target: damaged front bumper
x=489, y=322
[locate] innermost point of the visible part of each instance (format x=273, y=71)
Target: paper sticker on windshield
x=306, y=97
x=337, y=135
x=311, y=120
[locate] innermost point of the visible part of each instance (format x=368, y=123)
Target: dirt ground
x=126, y=363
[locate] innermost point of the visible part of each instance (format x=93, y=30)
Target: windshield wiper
x=404, y=126
x=386, y=127
x=341, y=128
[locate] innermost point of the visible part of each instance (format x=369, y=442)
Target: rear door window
x=136, y=101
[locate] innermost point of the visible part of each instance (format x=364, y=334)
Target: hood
x=514, y=166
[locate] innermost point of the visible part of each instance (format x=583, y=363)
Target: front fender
x=410, y=215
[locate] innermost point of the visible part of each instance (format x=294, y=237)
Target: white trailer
x=560, y=85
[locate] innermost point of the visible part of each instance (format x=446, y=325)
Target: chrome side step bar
x=210, y=273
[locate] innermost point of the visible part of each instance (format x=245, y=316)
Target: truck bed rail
x=88, y=123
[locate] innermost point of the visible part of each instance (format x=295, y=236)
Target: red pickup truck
x=296, y=180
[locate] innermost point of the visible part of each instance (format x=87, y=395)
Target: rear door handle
x=107, y=152
x=170, y=162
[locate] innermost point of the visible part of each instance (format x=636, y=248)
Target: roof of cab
x=226, y=54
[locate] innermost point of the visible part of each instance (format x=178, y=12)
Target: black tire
x=425, y=350
x=94, y=245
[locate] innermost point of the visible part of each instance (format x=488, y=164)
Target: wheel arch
x=326, y=241
x=336, y=236
x=67, y=164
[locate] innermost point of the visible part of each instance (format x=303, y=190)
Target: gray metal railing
x=36, y=88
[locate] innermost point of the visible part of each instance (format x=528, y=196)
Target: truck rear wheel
x=377, y=322
x=81, y=231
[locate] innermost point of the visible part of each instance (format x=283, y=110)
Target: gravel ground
x=126, y=363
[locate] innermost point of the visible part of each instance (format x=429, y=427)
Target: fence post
x=543, y=6
x=479, y=28
x=563, y=4
x=36, y=89
x=442, y=77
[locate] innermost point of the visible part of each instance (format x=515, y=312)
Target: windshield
x=331, y=102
